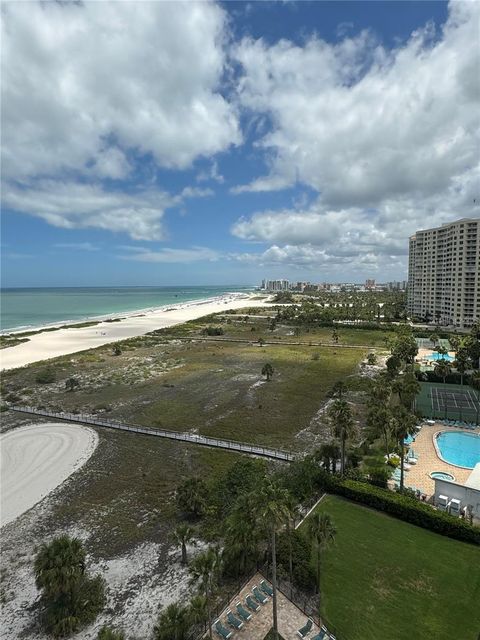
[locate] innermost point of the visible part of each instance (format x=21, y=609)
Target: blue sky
x=203, y=143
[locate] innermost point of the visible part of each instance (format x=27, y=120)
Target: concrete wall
x=466, y=495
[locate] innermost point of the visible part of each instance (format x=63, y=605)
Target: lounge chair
x=242, y=612
x=259, y=597
x=323, y=635
x=266, y=588
x=251, y=604
x=221, y=630
x=305, y=630
x=233, y=621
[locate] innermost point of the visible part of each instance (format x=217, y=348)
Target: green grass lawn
x=384, y=579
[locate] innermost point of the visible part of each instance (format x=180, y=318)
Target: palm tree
x=204, y=571
x=407, y=387
x=267, y=370
x=442, y=369
x=292, y=509
x=182, y=535
x=198, y=609
x=322, y=532
x=462, y=363
x=242, y=532
x=329, y=453
x=403, y=425
x=274, y=512
x=475, y=382
x=341, y=419
x=192, y=496
x=172, y=623
x=455, y=343
x=434, y=338
x=378, y=420
x=59, y=566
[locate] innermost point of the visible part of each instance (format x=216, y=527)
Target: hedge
x=403, y=507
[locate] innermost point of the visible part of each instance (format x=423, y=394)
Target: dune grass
x=383, y=578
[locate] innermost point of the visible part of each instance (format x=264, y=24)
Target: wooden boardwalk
x=190, y=438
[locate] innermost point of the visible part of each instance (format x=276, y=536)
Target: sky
x=171, y=143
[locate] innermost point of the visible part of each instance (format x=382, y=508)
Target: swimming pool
x=441, y=475
x=440, y=356
x=459, y=448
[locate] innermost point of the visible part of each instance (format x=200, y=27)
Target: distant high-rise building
x=276, y=285
x=369, y=284
x=443, y=273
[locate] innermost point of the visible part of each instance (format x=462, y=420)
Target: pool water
x=459, y=448
x=440, y=356
x=441, y=475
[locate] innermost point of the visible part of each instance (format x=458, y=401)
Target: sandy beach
x=37, y=458
x=43, y=346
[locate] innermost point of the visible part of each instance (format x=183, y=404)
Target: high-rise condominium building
x=444, y=273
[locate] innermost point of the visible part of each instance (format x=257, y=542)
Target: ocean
x=32, y=308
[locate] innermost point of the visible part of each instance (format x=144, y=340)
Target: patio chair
x=221, y=630
x=242, y=612
x=305, y=630
x=266, y=588
x=259, y=597
x=233, y=621
x=323, y=635
x=251, y=604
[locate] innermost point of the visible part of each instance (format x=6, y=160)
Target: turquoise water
x=441, y=475
x=27, y=308
x=439, y=356
x=457, y=447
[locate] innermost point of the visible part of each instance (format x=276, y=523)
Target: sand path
x=37, y=458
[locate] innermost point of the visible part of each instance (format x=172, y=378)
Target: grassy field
x=214, y=388
x=383, y=578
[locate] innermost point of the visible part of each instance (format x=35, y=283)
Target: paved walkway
x=418, y=475
x=290, y=617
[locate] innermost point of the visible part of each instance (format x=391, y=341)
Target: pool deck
x=290, y=617
x=418, y=475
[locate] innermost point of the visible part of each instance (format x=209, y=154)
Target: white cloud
x=361, y=124
x=71, y=205
x=76, y=246
x=211, y=174
x=167, y=255
x=82, y=82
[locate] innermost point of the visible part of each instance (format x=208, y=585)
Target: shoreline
x=60, y=324
x=66, y=340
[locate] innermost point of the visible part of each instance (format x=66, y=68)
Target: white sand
x=47, y=345
x=37, y=458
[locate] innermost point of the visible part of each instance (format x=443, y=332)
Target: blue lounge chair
x=233, y=621
x=242, y=612
x=323, y=635
x=222, y=632
x=266, y=588
x=305, y=630
x=251, y=604
x=259, y=597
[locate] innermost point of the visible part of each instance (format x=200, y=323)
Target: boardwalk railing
x=191, y=438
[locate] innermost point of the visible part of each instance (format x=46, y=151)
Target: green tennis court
x=450, y=401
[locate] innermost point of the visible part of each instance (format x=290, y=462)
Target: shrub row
x=403, y=507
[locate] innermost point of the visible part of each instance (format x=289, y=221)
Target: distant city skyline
x=212, y=143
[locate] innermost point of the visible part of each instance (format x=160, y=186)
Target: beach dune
x=37, y=458
x=52, y=344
